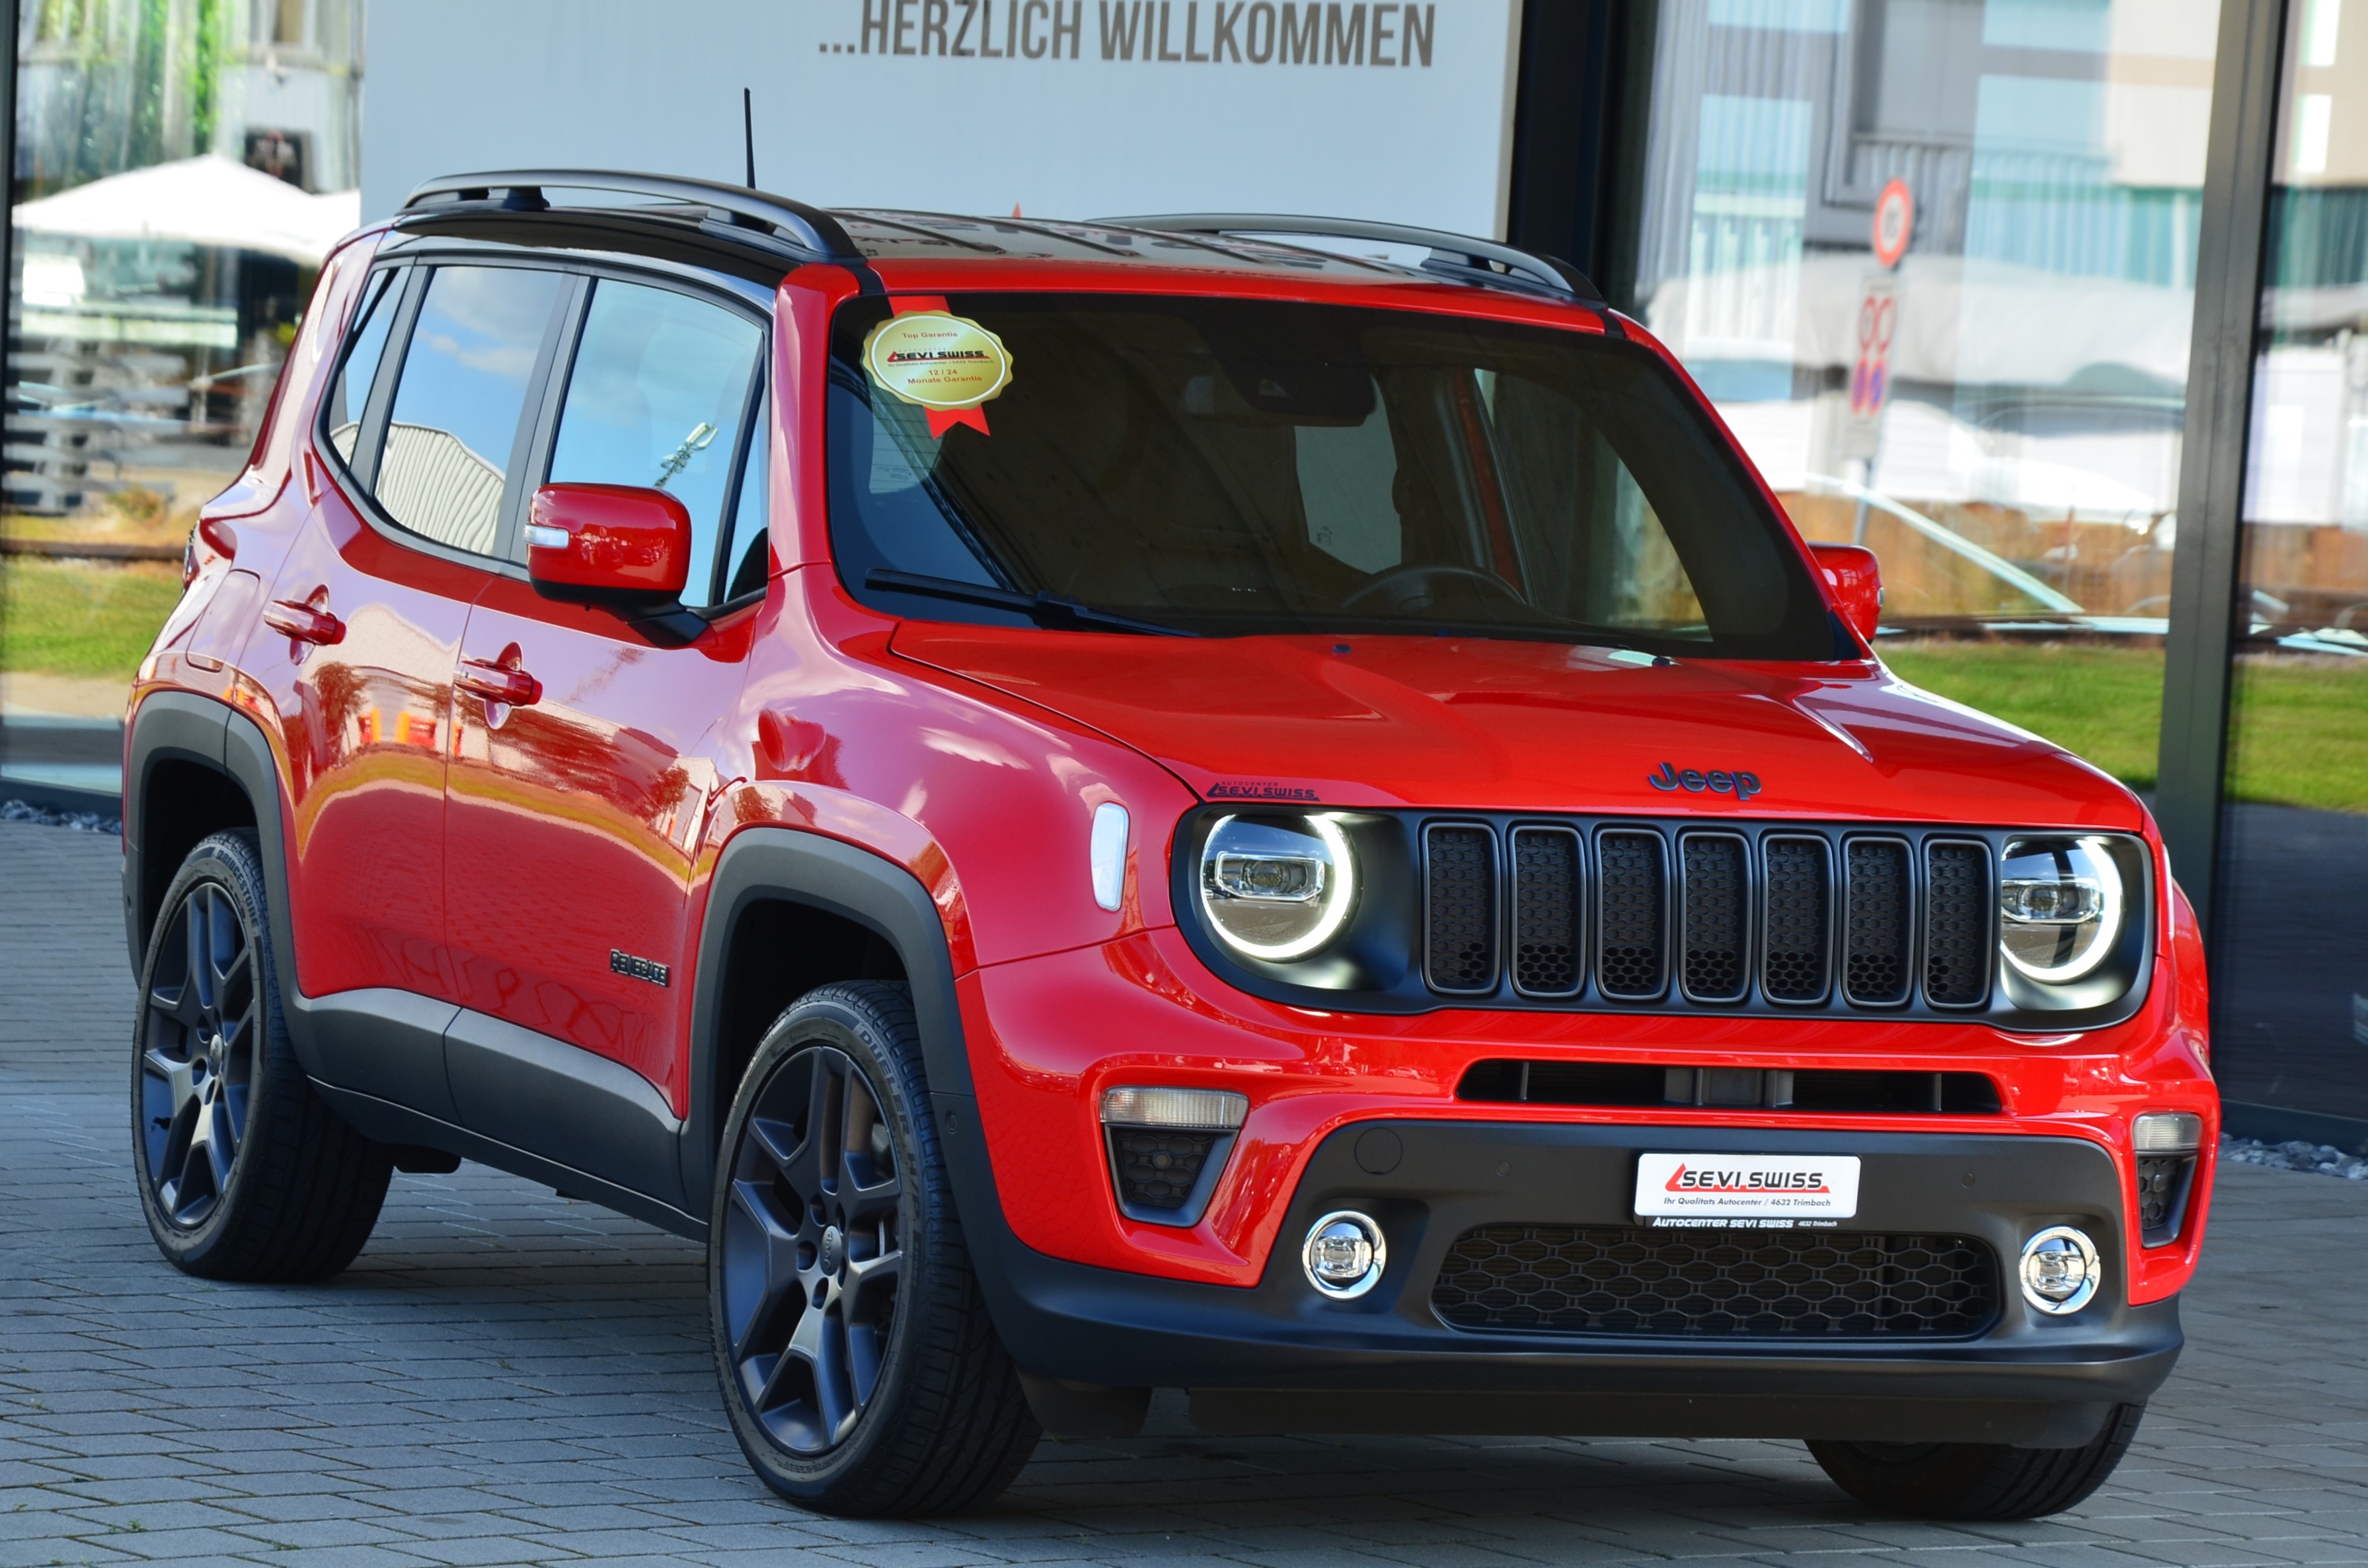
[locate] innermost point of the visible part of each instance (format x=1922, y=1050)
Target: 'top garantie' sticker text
x=945, y=363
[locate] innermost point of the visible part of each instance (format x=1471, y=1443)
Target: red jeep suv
x=1160, y=804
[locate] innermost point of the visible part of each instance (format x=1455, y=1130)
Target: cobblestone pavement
x=509, y=1376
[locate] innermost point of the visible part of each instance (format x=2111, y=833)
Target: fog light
x=1344, y=1256
x=2060, y=1271
x=2167, y=1132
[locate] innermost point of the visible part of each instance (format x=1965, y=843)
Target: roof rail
x=1454, y=256
x=809, y=229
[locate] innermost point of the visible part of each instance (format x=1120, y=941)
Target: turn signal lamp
x=1195, y=1110
x=2167, y=1132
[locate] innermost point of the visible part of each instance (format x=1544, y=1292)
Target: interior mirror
x=613, y=542
x=1855, y=581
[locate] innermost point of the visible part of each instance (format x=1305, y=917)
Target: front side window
x=1226, y=467
x=450, y=439
x=658, y=398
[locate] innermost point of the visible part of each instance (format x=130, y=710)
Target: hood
x=1485, y=724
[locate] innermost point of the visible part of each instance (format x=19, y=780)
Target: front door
x=581, y=772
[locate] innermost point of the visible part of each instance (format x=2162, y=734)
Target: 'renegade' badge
x=945, y=363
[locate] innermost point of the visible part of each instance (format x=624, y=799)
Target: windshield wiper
x=1045, y=609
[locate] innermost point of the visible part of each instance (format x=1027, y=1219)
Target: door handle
x=302, y=622
x=497, y=683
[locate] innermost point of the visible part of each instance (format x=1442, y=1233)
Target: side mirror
x=1854, y=581
x=610, y=544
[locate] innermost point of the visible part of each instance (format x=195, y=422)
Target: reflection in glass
x=2291, y=970
x=2017, y=469
x=456, y=408
x=659, y=390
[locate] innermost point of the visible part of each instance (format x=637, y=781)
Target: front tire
x=1977, y=1481
x=244, y=1172
x=859, y=1369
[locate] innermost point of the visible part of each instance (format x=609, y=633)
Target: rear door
x=365, y=617
x=573, y=818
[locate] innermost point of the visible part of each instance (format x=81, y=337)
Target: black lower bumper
x=1280, y=1357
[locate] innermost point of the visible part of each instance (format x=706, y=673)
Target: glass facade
x=181, y=167
x=2291, y=979
x=1935, y=261
x=1995, y=405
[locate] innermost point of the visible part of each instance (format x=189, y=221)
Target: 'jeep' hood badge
x=1718, y=780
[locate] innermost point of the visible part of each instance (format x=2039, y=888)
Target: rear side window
x=452, y=439
x=658, y=397
x=349, y=394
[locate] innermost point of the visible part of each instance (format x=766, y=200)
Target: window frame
x=537, y=435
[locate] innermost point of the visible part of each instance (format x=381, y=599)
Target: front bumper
x=1279, y=1357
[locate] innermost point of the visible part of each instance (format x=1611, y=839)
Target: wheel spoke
x=181, y=1076
x=820, y=1345
x=865, y=1203
x=871, y=1285
x=782, y=1280
x=181, y=1006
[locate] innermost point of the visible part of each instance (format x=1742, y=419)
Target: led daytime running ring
x=1339, y=896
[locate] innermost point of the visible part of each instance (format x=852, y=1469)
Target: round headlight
x=2060, y=900
x=1276, y=887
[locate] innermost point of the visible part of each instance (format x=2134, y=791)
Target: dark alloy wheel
x=813, y=1250
x=197, y=1058
x=860, y=1371
x=244, y=1172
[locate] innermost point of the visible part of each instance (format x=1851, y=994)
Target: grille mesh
x=1462, y=948
x=1875, y=963
x=1716, y=1284
x=1156, y=1168
x=2162, y=1185
x=1545, y=911
x=1956, y=924
x=1715, y=908
x=1796, y=920
x=1628, y=921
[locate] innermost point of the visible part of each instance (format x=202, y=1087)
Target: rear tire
x=859, y=1367
x=1978, y=1481
x=244, y=1172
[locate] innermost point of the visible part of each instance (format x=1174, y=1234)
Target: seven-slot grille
x=1783, y=917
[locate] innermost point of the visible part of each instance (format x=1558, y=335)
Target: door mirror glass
x=1855, y=582
x=609, y=542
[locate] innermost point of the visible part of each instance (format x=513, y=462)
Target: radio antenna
x=748, y=133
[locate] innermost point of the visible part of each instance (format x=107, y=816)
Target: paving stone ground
x=507, y=1376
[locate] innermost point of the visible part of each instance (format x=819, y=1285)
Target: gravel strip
x=81, y=822
x=2325, y=1159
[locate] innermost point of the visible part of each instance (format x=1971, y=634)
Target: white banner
x=1063, y=109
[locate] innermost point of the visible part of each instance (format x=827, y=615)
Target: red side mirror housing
x=1854, y=582
x=609, y=541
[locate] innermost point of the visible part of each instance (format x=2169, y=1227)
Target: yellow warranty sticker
x=940, y=361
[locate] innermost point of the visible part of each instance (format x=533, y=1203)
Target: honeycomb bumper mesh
x=1717, y=1284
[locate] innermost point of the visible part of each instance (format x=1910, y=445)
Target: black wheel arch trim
x=761, y=865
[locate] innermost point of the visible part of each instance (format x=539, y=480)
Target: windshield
x=1229, y=467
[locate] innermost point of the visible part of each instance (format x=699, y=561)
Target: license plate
x=1762, y=1190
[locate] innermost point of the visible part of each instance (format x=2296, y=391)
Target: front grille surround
x=1504, y=936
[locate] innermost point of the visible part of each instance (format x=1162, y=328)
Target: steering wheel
x=1410, y=588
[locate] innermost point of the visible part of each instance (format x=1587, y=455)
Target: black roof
x=741, y=220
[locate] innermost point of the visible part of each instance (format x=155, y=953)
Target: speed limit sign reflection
x=1895, y=220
